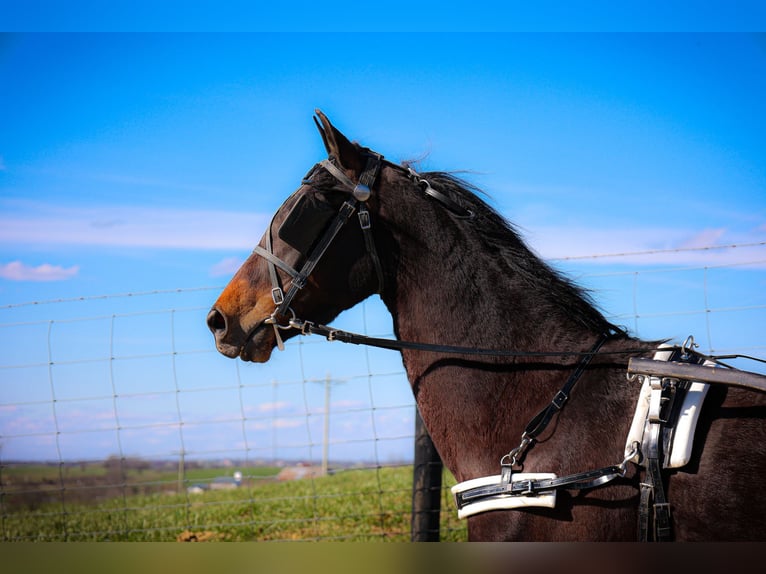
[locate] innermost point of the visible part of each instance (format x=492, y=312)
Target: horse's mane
x=499, y=236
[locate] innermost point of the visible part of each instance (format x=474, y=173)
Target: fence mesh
x=119, y=420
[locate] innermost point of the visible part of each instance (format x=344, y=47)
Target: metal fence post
x=426, y=486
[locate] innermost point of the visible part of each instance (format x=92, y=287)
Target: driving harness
x=662, y=414
x=308, y=218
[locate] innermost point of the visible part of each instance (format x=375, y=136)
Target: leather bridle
x=361, y=192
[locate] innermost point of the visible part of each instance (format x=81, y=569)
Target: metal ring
x=688, y=345
x=272, y=320
x=623, y=466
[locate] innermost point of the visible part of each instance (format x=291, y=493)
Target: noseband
x=361, y=192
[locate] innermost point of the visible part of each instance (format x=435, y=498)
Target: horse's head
x=310, y=263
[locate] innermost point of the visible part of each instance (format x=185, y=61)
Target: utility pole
x=326, y=430
x=326, y=433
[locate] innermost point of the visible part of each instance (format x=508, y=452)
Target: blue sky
x=132, y=163
x=393, y=16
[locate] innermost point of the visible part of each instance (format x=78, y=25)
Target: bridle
x=361, y=192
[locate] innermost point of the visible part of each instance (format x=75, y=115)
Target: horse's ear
x=338, y=145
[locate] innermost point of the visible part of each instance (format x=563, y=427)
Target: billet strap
x=654, y=521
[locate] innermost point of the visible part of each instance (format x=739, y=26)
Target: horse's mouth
x=259, y=343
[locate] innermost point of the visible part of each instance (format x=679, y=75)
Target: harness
x=293, y=231
x=662, y=420
x=297, y=218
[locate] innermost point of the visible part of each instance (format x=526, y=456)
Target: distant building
x=219, y=483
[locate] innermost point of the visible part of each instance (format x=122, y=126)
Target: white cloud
x=124, y=226
x=287, y=423
x=18, y=271
x=704, y=239
x=32, y=223
x=346, y=404
x=268, y=407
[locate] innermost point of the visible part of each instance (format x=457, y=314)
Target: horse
x=455, y=276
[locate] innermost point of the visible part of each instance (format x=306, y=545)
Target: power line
x=659, y=251
x=112, y=296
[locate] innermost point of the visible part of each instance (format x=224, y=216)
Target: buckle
x=277, y=295
x=559, y=400
x=364, y=219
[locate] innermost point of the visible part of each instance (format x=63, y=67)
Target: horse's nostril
x=216, y=322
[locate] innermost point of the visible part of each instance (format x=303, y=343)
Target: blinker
x=305, y=223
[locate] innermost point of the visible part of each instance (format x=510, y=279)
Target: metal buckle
x=527, y=487
x=559, y=400
x=277, y=295
x=364, y=219
x=506, y=473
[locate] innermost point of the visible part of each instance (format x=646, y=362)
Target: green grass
x=359, y=505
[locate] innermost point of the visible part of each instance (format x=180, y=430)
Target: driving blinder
x=303, y=226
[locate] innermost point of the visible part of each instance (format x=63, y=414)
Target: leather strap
x=365, y=221
x=579, y=481
x=360, y=194
x=540, y=421
x=654, y=520
x=455, y=208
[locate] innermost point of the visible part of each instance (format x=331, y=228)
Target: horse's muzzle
x=253, y=345
x=218, y=325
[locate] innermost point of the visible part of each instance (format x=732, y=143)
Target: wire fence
x=119, y=420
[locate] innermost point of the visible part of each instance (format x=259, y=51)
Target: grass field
x=358, y=505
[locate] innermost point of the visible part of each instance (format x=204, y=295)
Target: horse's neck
x=450, y=292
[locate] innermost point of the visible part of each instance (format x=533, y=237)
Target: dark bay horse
x=453, y=273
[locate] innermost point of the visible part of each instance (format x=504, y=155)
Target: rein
x=510, y=489
x=332, y=334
